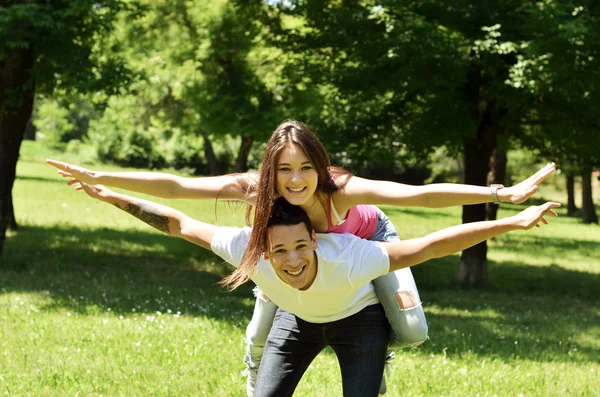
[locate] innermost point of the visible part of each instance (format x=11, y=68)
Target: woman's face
x=296, y=178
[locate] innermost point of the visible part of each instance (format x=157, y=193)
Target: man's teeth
x=296, y=272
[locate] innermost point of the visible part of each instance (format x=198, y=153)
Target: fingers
x=549, y=205
x=544, y=172
x=54, y=163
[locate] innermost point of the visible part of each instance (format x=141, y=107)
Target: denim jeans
x=359, y=342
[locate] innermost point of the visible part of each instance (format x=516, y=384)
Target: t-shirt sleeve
x=369, y=261
x=230, y=243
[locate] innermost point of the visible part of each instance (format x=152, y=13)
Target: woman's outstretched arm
x=435, y=195
x=158, y=184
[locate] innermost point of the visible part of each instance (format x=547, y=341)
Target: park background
x=94, y=303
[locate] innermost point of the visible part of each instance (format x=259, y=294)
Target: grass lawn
x=95, y=303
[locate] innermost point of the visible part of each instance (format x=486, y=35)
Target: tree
x=588, y=211
x=474, y=76
x=204, y=72
x=45, y=46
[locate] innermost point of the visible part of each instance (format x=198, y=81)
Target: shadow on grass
x=99, y=270
x=41, y=179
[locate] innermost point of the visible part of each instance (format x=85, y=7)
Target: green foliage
x=52, y=121
x=186, y=152
x=200, y=66
x=67, y=38
x=120, y=140
x=65, y=119
x=427, y=74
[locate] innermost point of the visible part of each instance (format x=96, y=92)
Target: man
x=320, y=282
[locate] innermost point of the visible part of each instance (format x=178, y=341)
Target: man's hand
x=97, y=192
x=522, y=191
x=79, y=174
x=533, y=215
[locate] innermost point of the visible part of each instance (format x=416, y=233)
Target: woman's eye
x=306, y=168
x=284, y=169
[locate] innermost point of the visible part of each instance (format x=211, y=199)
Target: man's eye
x=302, y=246
x=279, y=252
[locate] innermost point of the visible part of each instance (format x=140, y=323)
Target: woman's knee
x=410, y=327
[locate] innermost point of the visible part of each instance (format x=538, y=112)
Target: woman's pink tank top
x=360, y=221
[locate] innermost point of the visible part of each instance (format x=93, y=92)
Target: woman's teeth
x=296, y=190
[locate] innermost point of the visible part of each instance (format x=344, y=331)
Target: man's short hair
x=287, y=214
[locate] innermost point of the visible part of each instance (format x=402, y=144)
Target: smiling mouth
x=296, y=190
x=297, y=272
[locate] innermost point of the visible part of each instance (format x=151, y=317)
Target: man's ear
x=313, y=238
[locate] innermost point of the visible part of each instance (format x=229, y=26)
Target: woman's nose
x=295, y=176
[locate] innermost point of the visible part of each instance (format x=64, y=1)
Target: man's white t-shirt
x=342, y=286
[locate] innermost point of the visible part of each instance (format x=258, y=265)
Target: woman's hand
x=79, y=174
x=533, y=215
x=522, y=191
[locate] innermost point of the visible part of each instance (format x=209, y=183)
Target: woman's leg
x=256, y=337
x=398, y=294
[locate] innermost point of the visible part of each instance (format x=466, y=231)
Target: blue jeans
x=359, y=342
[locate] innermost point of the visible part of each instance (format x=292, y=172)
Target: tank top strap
x=332, y=211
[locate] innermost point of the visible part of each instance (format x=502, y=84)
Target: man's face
x=291, y=251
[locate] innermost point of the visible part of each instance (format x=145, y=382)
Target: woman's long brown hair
x=288, y=132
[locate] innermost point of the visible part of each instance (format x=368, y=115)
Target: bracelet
x=494, y=192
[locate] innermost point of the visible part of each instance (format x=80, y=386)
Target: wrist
x=494, y=192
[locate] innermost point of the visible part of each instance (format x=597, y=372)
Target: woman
x=296, y=166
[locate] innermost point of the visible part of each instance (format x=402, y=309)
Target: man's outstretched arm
x=161, y=217
x=457, y=238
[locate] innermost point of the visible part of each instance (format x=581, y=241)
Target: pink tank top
x=360, y=221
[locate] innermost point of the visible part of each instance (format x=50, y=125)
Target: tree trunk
x=213, y=164
x=477, y=153
x=588, y=211
x=571, y=207
x=241, y=162
x=16, y=105
x=497, y=174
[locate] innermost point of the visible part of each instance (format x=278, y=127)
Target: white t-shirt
x=346, y=266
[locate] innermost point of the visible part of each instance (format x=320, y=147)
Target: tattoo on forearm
x=149, y=214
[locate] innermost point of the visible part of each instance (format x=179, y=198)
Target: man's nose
x=292, y=258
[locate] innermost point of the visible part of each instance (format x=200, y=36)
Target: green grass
x=95, y=303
